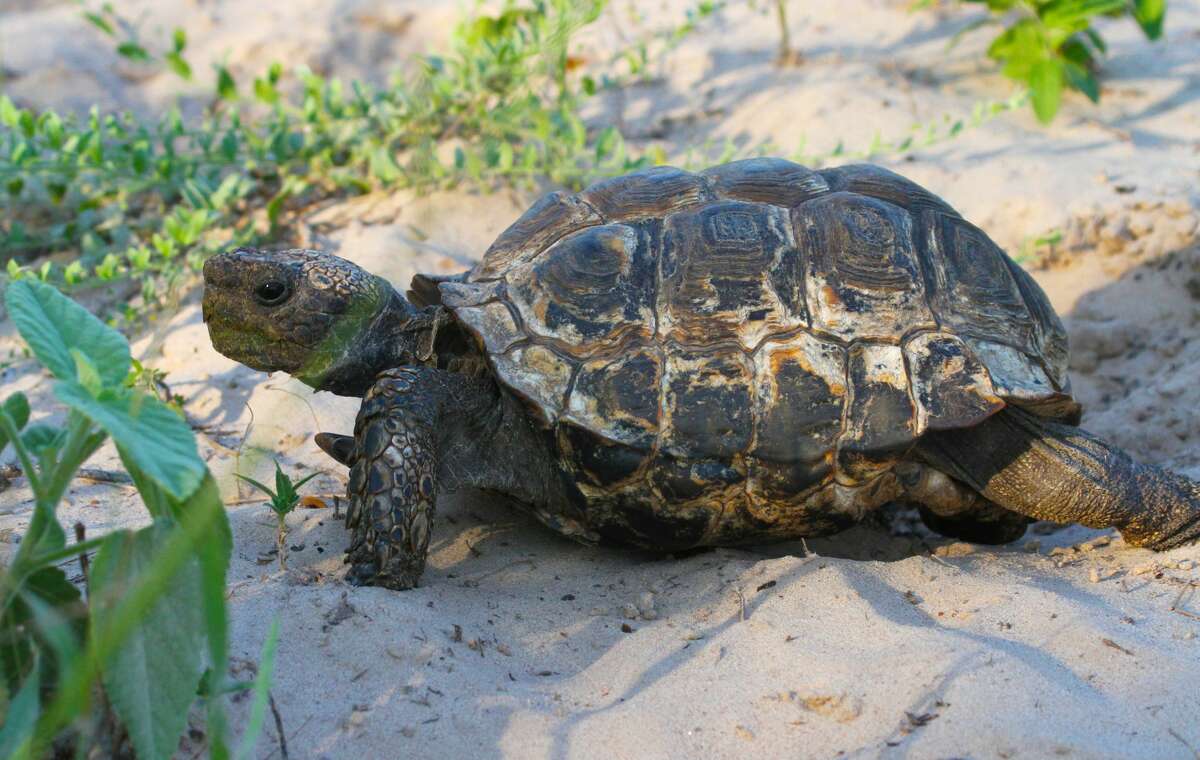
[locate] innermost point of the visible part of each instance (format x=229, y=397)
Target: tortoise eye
x=271, y=293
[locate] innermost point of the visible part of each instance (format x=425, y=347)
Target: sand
x=885, y=641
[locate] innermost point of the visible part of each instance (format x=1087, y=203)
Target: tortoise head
x=313, y=315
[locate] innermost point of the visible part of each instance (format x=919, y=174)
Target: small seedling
x=283, y=500
x=787, y=56
x=1051, y=45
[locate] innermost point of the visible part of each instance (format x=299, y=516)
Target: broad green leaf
x=151, y=678
x=1083, y=80
x=133, y=52
x=179, y=65
x=16, y=407
x=53, y=324
x=86, y=371
x=38, y=438
x=10, y=115
x=101, y=23
x=1070, y=13
x=606, y=143
x=205, y=531
x=50, y=586
x=266, y=91
x=504, y=161
x=58, y=619
x=383, y=165
x=146, y=430
x=262, y=693
x=21, y=716
x=1046, y=83
x=204, y=515
x=1075, y=51
x=1150, y=15
x=226, y=87
x=1020, y=47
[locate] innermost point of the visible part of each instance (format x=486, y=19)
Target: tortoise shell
x=753, y=334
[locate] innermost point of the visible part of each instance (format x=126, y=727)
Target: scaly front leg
x=421, y=431
x=393, y=480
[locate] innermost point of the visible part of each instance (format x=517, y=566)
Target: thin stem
x=9, y=427
x=80, y=537
x=281, y=539
x=785, y=39
x=67, y=552
x=79, y=446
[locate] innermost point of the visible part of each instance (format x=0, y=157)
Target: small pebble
x=1034, y=546
x=1094, y=575
x=1095, y=543
x=1185, y=564
x=645, y=606
x=956, y=549
x=630, y=611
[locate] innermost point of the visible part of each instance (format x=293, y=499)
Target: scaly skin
x=422, y=430
x=393, y=483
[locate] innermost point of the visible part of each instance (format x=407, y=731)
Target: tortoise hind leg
x=952, y=509
x=1050, y=471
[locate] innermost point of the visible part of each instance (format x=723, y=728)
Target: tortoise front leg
x=1050, y=471
x=394, y=478
x=421, y=431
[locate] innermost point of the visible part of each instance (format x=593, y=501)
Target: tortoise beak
x=219, y=275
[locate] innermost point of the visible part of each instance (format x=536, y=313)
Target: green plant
x=1051, y=45
x=787, y=56
x=283, y=500
x=1036, y=248
x=151, y=200
x=154, y=616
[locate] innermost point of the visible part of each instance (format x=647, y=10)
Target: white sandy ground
x=882, y=642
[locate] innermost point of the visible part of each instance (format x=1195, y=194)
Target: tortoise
x=671, y=360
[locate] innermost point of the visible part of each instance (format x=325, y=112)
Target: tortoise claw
x=340, y=447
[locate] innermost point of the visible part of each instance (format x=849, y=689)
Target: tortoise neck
x=393, y=338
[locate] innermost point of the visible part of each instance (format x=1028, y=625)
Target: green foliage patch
x=148, y=200
x=153, y=619
x=1052, y=45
